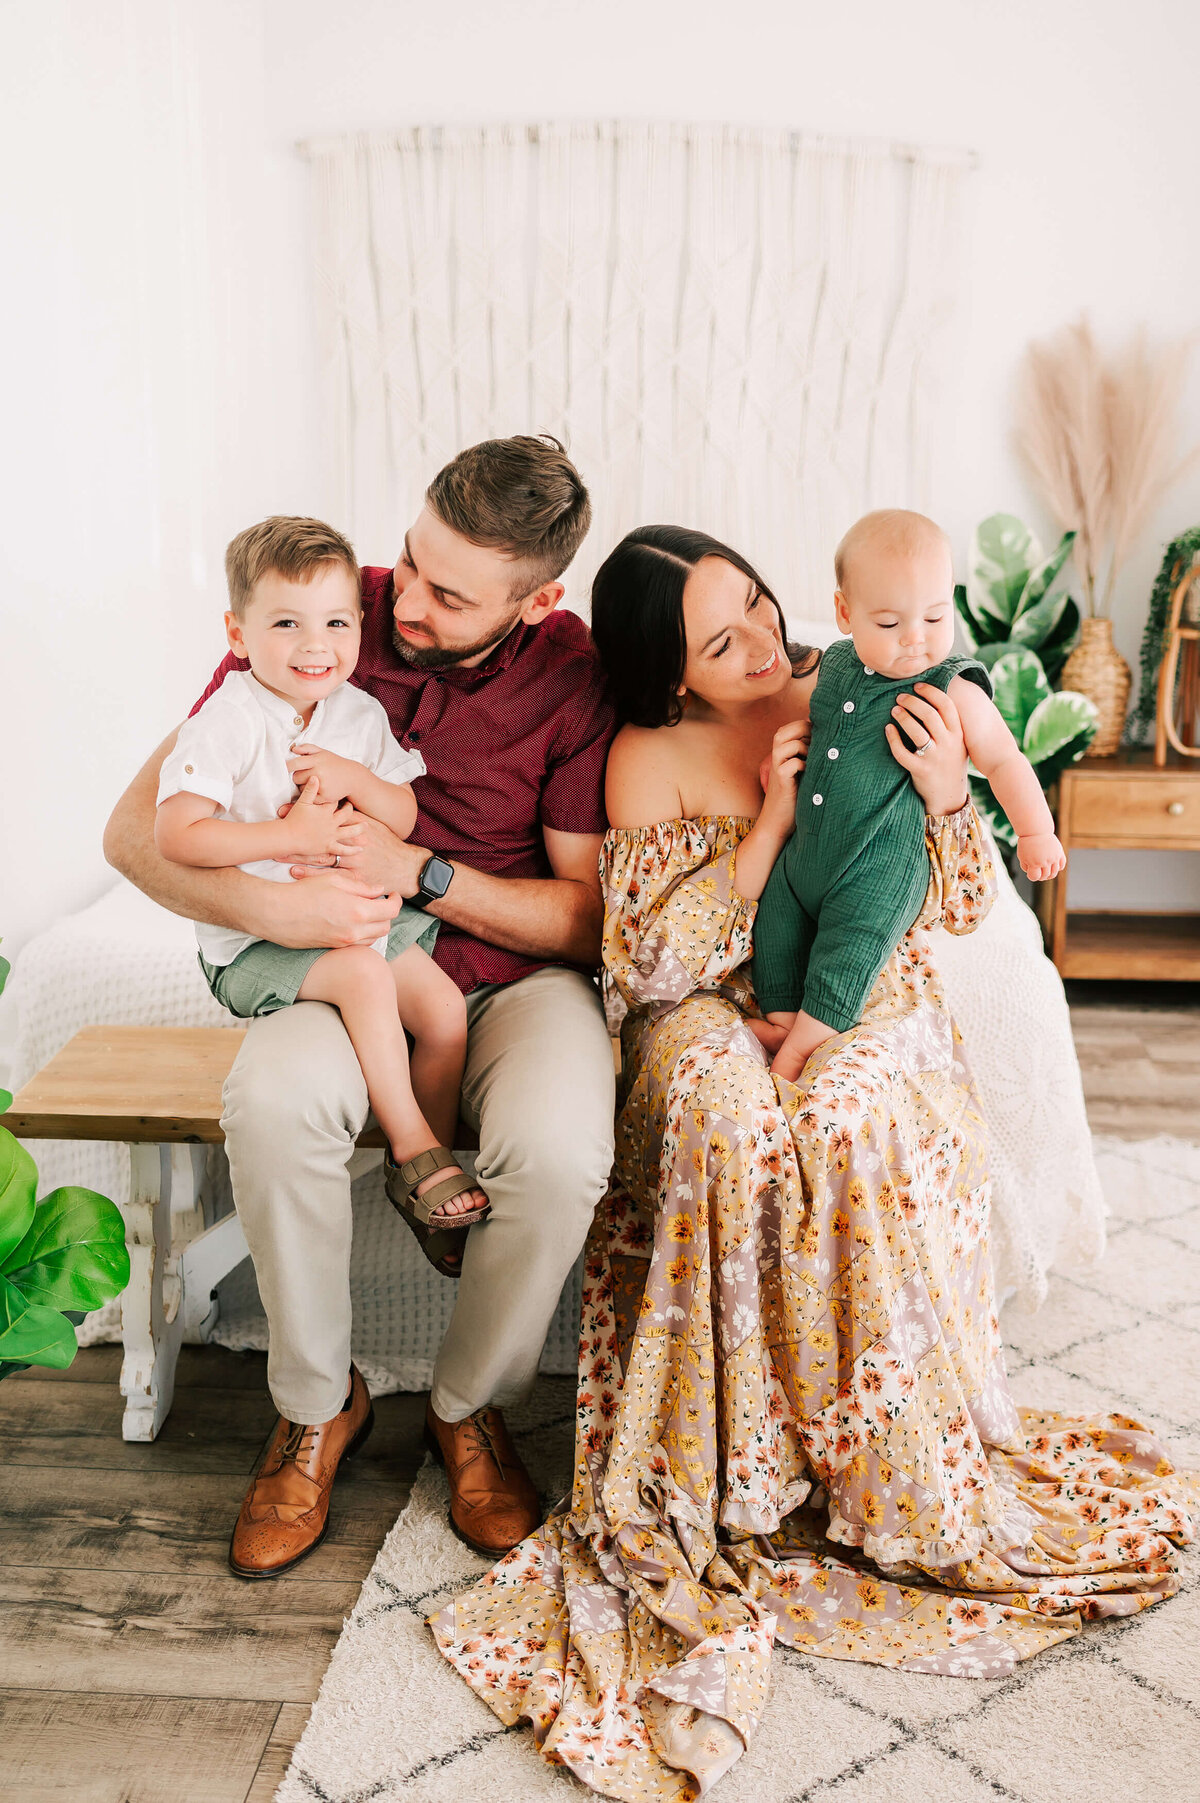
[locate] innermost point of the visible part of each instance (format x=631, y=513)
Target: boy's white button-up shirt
x=234, y=751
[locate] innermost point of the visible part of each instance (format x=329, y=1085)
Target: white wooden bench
x=157, y=1089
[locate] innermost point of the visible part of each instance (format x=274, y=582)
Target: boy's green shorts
x=266, y=977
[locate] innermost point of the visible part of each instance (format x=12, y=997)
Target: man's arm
x=560, y=916
x=334, y=911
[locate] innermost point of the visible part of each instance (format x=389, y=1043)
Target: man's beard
x=438, y=657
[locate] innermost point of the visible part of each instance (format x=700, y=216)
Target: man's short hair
x=292, y=546
x=522, y=496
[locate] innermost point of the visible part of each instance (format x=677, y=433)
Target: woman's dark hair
x=637, y=619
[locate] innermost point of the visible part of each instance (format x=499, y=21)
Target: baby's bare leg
x=433, y=1010
x=804, y=1034
x=358, y=982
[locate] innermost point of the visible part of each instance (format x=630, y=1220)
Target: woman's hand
x=938, y=766
x=779, y=774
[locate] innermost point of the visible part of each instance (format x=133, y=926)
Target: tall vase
x=1096, y=669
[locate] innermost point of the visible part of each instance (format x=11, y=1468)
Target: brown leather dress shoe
x=286, y=1511
x=493, y=1504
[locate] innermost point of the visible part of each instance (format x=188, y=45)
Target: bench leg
x=151, y=1321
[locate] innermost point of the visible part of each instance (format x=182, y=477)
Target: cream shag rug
x=1111, y=1716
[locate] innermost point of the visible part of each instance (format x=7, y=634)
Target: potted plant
x=1021, y=623
x=59, y=1258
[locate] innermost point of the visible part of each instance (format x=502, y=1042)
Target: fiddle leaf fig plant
x=59, y=1258
x=1012, y=600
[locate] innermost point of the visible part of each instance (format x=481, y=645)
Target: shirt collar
x=284, y=713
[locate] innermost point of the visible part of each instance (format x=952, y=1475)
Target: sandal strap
x=455, y=1183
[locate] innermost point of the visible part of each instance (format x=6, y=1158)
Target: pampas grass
x=1098, y=435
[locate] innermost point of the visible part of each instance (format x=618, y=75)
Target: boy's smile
x=301, y=638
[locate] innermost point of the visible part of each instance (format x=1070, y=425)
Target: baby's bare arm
x=996, y=754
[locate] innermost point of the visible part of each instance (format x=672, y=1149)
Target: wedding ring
x=336, y=860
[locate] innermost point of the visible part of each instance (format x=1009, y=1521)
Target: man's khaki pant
x=539, y=1090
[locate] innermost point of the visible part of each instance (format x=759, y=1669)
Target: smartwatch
x=434, y=879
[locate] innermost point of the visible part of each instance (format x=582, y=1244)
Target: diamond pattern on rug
x=1111, y=1715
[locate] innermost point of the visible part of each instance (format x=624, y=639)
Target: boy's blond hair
x=293, y=546
x=888, y=529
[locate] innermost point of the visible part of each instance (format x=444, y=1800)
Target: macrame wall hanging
x=734, y=329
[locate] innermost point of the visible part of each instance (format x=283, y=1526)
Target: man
x=504, y=698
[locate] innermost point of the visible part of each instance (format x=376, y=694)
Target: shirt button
x=832, y=752
x=867, y=672
x=189, y=769
x=847, y=707
x=299, y=720
x=817, y=800
x=413, y=737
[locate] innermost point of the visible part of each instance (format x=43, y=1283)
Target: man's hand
x=373, y=856
x=330, y=908
x=337, y=776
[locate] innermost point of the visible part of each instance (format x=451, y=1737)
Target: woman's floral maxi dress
x=793, y=1415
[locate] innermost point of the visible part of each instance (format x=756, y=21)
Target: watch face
x=435, y=878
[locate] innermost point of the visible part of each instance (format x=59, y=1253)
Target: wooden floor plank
x=207, y=1430
x=168, y=1636
x=277, y=1754
x=162, y=1522
x=72, y=1748
x=211, y=1367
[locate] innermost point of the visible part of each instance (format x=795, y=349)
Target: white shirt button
x=832, y=752
x=867, y=671
x=817, y=800
x=847, y=707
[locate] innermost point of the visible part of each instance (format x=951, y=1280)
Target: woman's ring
x=922, y=749
x=337, y=856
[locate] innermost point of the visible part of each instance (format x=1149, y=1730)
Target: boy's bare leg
x=804, y=1033
x=359, y=984
x=434, y=1010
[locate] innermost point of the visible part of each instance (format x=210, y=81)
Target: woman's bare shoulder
x=641, y=785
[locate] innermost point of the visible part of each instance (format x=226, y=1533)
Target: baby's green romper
x=850, y=881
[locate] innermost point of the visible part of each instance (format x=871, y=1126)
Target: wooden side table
x=1125, y=803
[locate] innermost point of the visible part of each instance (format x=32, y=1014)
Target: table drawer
x=1162, y=810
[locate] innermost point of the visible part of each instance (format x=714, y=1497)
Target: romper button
x=189, y=769
x=867, y=672
x=817, y=800
x=832, y=752
x=847, y=707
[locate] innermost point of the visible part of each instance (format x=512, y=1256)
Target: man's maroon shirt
x=514, y=745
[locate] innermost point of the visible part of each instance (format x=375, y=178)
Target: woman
x=793, y=1415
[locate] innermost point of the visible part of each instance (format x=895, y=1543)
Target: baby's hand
x=1041, y=856
x=337, y=776
x=315, y=832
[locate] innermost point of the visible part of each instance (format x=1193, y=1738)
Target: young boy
x=228, y=795
x=852, y=878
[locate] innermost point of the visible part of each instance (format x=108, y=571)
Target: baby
x=852, y=878
x=227, y=795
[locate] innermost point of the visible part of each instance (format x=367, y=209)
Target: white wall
x=162, y=380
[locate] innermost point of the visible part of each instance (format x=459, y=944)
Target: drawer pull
x=1174, y=807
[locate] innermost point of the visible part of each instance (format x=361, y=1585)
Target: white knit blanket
x=125, y=961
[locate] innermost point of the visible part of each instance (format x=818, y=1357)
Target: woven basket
x=1096, y=669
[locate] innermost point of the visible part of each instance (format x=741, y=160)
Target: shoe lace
x=484, y=1440
x=297, y=1443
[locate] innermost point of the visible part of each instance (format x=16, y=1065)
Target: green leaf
x=989, y=655
x=74, y=1254
x=1059, y=731
x=31, y=1334
x=5, y=967
x=1053, y=652
x=1002, y=555
x=18, y=1192
x=1020, y=684
x=5, y=1100
x=1035, y=625
x=1042, y=579
x=976, y=632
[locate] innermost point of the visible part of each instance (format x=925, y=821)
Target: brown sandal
x=440, y=1239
